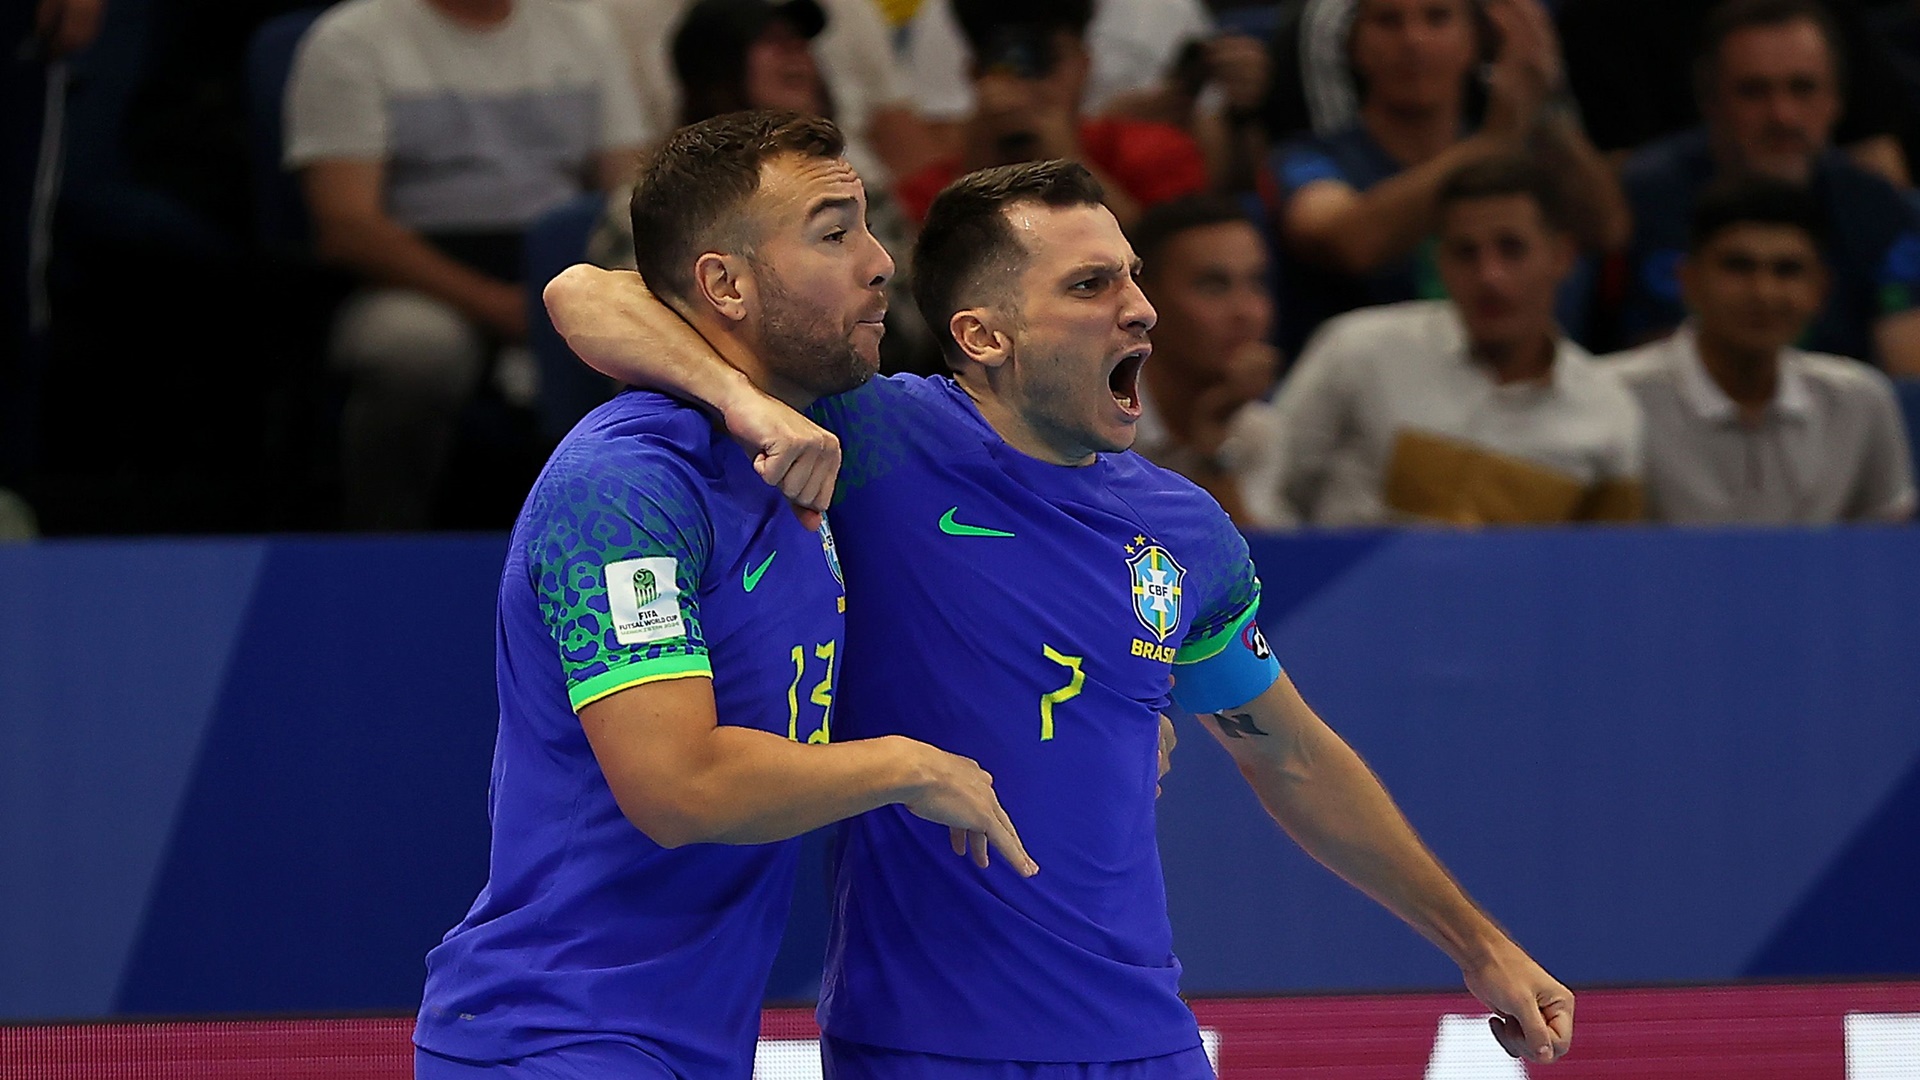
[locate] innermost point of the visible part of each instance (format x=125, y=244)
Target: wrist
x=905, y=772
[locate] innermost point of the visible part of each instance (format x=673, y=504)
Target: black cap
x=716, y=33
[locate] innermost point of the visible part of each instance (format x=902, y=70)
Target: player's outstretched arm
x=682, y=778
x=1333, y=806
x=613, y=322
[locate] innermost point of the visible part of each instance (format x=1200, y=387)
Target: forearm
x=755, y=787
x=391, y=254
x=1602, y=219
x=1391, y=218
x=613, y=322
x=1334, y=807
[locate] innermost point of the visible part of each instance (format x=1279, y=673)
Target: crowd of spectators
x=1447, y=261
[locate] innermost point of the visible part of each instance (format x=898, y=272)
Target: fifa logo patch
x=833, y=553
x=1156, y=589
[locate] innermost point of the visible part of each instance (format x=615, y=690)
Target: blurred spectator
x=38, y=38
x=429, y=134
x=1029, y=76
x=751, y=54
x=1202, y=394
x=1473, y=411
x=1354, y=208
x=1741, y=426
x=1132, y=44
x=754, y=47
x=1216, y=93
x=1626, y=105
x=1769, y=89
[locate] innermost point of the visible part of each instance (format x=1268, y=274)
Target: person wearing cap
x=428, y=135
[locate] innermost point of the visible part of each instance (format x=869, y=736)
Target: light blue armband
x=1226, y=669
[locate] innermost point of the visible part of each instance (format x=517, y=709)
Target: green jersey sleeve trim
x=1195, y=650
x=658, y=669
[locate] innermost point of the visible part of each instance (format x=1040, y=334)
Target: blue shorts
x=601, y=1060
x=842, y=1060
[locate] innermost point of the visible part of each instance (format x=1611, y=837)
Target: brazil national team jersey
x=1028, y=616
x=648, y=549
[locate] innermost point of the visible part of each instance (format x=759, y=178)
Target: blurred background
x=1561, y=360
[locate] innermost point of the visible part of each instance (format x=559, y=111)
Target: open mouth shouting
x=1124, y=379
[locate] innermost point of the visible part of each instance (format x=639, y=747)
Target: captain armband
x=1227, y=669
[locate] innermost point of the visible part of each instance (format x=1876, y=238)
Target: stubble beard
x=805, y=347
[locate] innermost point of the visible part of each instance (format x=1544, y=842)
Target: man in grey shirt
x=1469, y=411
x=428, y=135
x=1741, y=426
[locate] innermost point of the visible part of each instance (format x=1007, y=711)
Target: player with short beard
x=668, y=648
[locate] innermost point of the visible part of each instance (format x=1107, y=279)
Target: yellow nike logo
x=955, y=528
x=752, y=577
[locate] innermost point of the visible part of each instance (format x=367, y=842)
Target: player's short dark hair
x=1734, y=16
x=1164, y=221
x=1503, y=175
x=1755, y=200
x=984, y=22
x=691, y=193
x=968, y=247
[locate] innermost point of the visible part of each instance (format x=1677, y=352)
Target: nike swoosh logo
x=752, y=577
x=955, y=528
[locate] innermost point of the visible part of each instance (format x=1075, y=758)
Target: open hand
x=956, y=792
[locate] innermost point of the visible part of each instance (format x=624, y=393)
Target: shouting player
x=1024, y=591
x=657, y=589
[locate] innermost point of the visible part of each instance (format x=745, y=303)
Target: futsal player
x=1025, y=590
x=669, y=647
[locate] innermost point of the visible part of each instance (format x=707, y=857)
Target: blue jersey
x=1028, y=616
x=648, y=549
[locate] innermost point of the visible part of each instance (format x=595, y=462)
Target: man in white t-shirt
x=1468, y=411
x=428, y=135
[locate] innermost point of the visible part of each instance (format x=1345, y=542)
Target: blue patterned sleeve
x=1224, y=662
x=616, y=556
x=863, y=421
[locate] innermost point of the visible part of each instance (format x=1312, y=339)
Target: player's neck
x=1016, y=430
x=743, y=356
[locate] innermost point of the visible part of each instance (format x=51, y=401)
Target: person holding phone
x=1354, y=208
x=1030, y=69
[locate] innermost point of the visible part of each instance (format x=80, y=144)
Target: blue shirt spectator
x=1353, y=208
x=1309, y=295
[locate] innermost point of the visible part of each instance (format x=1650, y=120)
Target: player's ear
x=980, y=340
x=725, y=283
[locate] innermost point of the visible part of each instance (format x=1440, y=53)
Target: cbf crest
x=1156, y=587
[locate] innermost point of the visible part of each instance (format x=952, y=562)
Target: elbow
x=671, y=820
x=568, y=290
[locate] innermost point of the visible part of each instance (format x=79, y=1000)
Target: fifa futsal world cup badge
x=1156, y=589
